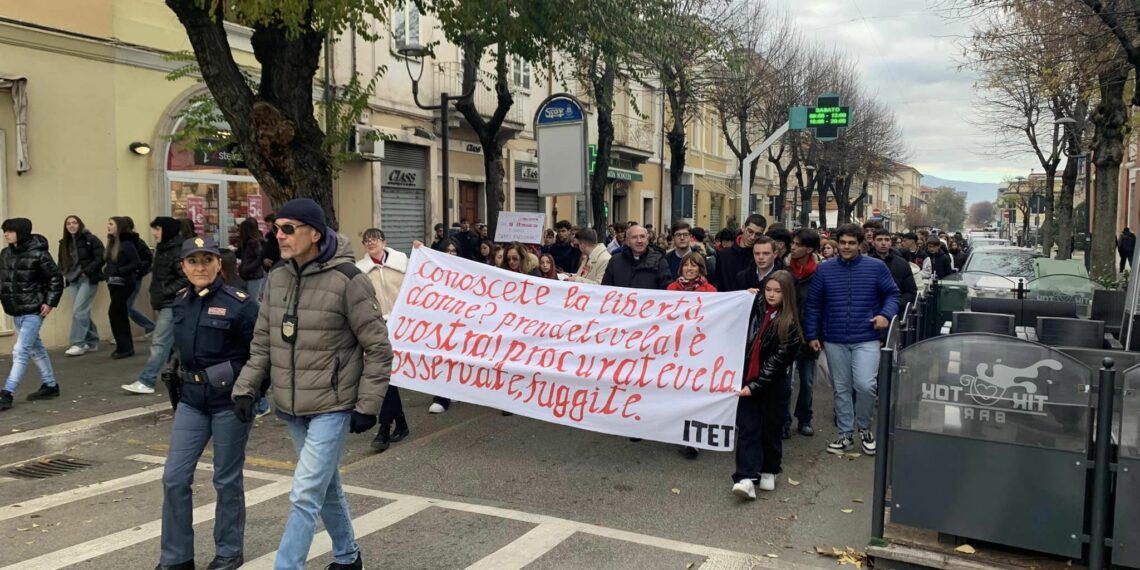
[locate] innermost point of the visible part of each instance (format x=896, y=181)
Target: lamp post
x=418, y=53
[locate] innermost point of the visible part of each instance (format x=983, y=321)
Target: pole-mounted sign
x=561, y=131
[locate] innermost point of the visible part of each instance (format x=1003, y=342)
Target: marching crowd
x=292, y=321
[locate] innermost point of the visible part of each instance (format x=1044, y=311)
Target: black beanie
x=22, y=227
x=306, y=211
x=171, y=228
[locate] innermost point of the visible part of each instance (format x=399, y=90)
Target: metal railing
x=449, y=79
x=633, y=132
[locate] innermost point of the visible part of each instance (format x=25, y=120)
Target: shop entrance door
x=468, y=201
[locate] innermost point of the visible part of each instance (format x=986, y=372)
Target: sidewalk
x=89, y=387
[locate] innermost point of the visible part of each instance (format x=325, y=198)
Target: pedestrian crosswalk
x=529, y=542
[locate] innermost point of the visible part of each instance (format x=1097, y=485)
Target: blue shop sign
x=560, y=110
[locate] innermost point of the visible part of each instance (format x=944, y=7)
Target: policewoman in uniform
x=213, y=327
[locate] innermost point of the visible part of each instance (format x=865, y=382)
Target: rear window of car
x=1005, y=264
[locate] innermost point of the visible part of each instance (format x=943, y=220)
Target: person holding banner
x=595, y=258
x=774, y=338
x=546, y=267
x=440, y=405
x=385, y=268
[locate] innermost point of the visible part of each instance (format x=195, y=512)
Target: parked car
x=994, y=271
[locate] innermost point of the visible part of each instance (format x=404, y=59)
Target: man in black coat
x=765, y=263
x=30, y=287
x=1126, y=245
x=900, y=269
x=731, y=261
x=938, y=261
x=165, y=283
x=637, y=265
x=566, y=256
x=468, y=240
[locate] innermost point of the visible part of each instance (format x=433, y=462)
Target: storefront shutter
x=403, y=210
x=716, y=215
x=527, y=200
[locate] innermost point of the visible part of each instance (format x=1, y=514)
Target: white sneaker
x=436, y=408
x=76, y=350
x=767, y=482
x=91, y=348
x=138, y=388
x=744, y=489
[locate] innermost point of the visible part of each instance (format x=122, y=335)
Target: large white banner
x=655, y=365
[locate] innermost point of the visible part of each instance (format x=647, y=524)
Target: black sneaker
x=5, y=400
x=44, y=393
x=868, y=440
x=787, y=433
x=357, y=564
x=689, y=452
x=841, y=444
x=383, y=438
x=226, y=562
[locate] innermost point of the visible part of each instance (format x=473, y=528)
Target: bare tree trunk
x=1047, y=231
x=1065, y=210
x=276, y=127
x=1110, y=118
x=603, y=98
x=822, y=182
x=488, y=131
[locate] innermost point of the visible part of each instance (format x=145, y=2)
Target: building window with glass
x=405, y=24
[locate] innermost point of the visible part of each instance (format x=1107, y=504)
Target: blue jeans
x=136, y=315
x=854, y=368
x=29, y=346
x=253, y=287
x=83, y=331
x=160, y=346
x=193, y=428
x=319, y=441
x=803, y=412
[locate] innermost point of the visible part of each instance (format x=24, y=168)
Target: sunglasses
x=287, y=229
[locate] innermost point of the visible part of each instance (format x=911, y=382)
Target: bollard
x=882, y=436
x=1098, y=514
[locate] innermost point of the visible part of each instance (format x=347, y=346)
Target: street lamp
x=418, y=52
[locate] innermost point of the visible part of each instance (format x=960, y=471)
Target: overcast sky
x=908, y=54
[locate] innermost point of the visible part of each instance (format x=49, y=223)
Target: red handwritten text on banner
x=650, y=364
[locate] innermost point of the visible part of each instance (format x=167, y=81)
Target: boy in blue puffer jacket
x=849, y=302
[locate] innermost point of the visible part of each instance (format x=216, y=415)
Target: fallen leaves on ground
x=676, y=491
x=772, y=555
x=847, y=511
x=860, y=501
x=793, y=482
x=965, y=549
x=845, y=556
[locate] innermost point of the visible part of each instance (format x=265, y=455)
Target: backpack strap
x=349, y=270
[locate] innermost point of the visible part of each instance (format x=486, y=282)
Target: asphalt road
x=558, y=497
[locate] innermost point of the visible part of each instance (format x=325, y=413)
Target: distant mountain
x=975, y=191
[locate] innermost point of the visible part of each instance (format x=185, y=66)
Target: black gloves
x=243, y=408
x=361, y=422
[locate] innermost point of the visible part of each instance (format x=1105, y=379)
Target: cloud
x=908, y=55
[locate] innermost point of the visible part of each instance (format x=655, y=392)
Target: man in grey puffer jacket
x=321, y=339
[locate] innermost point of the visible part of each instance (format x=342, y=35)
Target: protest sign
x=523, y=227
x=658, y=365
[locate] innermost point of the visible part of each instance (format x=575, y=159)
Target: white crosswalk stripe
x=547, y=534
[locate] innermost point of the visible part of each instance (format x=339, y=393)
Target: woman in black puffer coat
x=122, y=272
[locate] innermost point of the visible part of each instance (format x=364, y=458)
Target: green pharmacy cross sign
x=825, y=118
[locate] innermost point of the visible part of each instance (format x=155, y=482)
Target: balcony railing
x=449, y=79
x=633, y=132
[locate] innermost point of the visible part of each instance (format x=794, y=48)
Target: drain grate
x=49, y=467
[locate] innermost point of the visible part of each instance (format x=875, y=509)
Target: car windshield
x=1005, y=264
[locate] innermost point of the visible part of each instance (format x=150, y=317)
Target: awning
x=622, y=174
x=19, y=88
